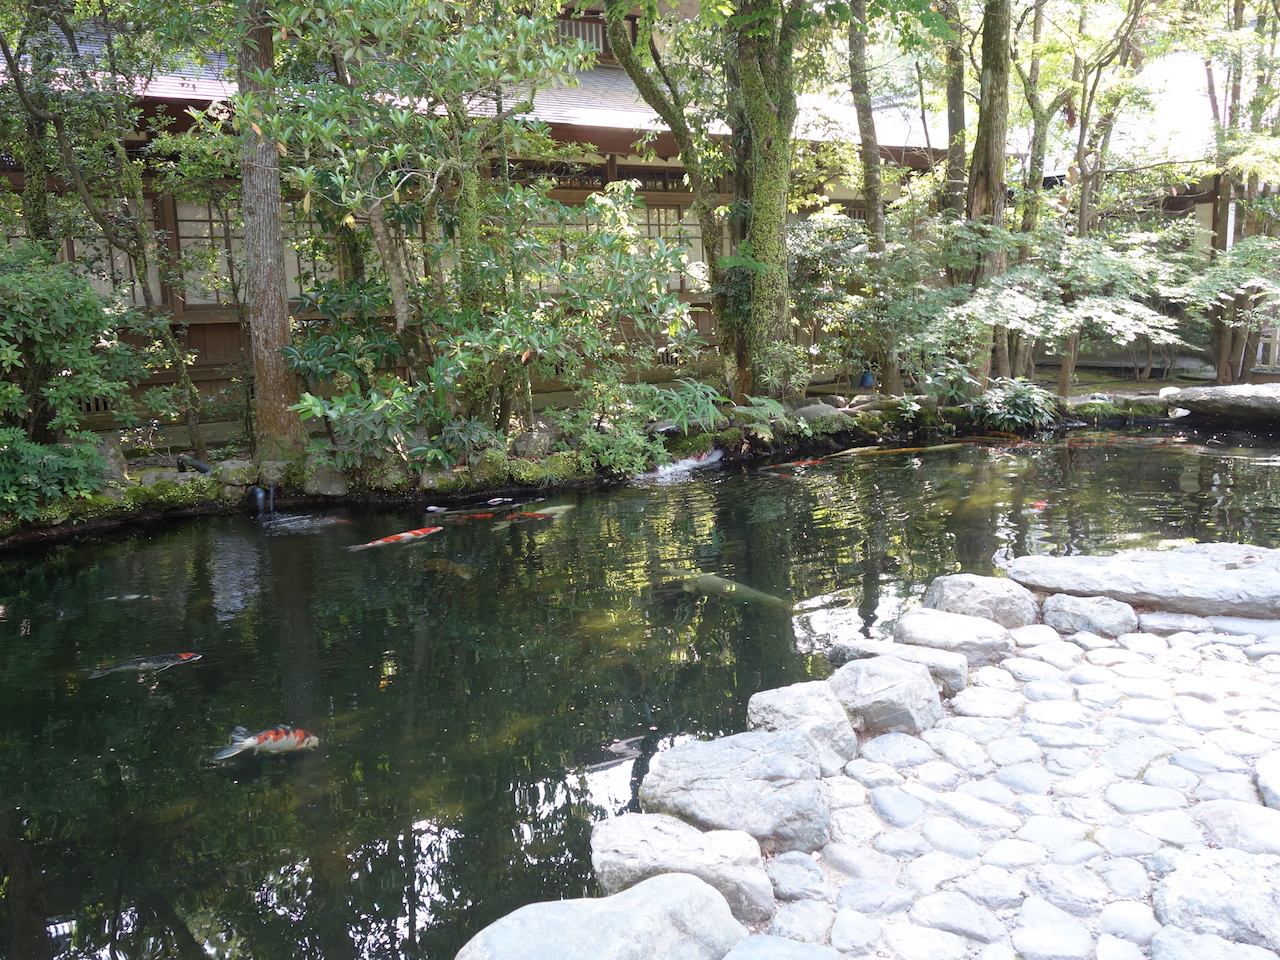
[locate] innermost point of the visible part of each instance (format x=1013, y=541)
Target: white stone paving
x=1048, y=814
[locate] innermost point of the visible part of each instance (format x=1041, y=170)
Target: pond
x=482, y=694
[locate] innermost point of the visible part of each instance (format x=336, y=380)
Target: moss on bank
x=751, y=434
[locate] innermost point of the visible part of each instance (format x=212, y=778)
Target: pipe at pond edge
x=184, y=461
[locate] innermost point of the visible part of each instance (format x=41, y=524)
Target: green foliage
x=32, y=474
x=864, y=307
x=1015, y=405
x=784, y=369
x=692, y=404
x=1242, y=281
x=764, y=417
x=342, y=352
x=1109, y=289
x=60, y=345
x=950, y=381
x=409, y=425
x=611, y=427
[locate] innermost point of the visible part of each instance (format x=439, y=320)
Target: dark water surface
x=481, y=695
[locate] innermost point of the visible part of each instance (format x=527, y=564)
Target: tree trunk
x=1068, y=372
x=769, y=106
x=986, y=196
x=393, y=264
x=957, y=148
x=868, y=145
x=279, y=433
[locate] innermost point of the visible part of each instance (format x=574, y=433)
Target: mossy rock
x=689, y=444
x=492, y=469
x=565, y=465
x=730, y=439
x=527, y=473
x=166, y=493
x=445, y=480
x=1145, y=406
x=872, y=423
x=832, y=424
x=1094, y=410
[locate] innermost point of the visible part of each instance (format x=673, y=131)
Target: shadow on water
x=481, y=695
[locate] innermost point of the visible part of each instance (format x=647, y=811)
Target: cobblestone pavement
x=1089, y=797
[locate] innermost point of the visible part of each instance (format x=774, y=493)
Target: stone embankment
x=1050, y=776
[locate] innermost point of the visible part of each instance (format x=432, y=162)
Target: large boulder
x=885, y=693
x=1205, y=579
x=323, y=479
x=675, y=916
x=999, y=599
x=950, y=670
x=1227, y=893
x=812, y=707
x=981, y=641
x=630, y=849
x=1247, y=401
x=764, y=783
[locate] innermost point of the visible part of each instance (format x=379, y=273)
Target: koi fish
x=406, y=537
x=282, y=739
x=441, y=565
x=157, y=663
x=696, y=582
x=133, y=596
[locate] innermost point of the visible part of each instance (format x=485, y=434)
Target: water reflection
x=473, y=724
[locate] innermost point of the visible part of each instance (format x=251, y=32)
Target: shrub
x=32, y=474
x=1015, y=405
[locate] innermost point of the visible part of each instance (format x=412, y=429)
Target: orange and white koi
x=282, y=739
x=407, y=537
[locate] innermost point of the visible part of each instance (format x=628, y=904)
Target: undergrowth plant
x=1015, y=405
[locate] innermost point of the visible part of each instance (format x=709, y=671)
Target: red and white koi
x=157, y=663
x=407, y=537
x=282, y=739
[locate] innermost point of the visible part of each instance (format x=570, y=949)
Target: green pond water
x=483, y=694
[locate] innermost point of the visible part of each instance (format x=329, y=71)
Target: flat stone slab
x=1262, y=629
x=1251, y=402
x=980, y=641
x=950, y=670
x=994, y=598
x=676, y=916
x=764, y=783
x=629, y=849
x=1204, y=579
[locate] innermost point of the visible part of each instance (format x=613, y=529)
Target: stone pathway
x=1084, y=796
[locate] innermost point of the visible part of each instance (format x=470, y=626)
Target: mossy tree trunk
x=278, y=431
x=766, y=35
